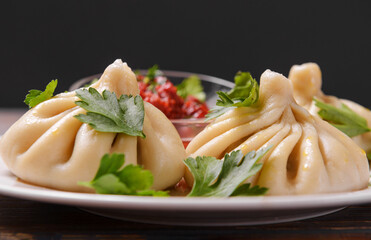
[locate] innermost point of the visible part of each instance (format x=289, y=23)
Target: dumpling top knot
x=306, y=81
x=119, y=78
x=273, y=83
x=275, y=87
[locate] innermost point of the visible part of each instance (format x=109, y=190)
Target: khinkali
x=306, y=80
x=307, y=154
x=49, y=147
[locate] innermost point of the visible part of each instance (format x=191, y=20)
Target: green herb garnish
x=369, y=155
x=106, y=113
x=223, y=178
x=191, y=86
x=244, y=94
x=152, y=72
x=35, y=97
x=131, y=180
x=343, y=118
x=149, y=79
x=247, y=190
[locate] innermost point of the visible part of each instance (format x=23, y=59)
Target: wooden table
x=22, y=219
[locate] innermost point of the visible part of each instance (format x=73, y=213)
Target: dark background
x=68, y=40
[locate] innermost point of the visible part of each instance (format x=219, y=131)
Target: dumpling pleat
x=162, y=151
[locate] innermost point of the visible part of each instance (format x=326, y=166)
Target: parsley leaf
x=247, y=190
x=191, y=86
x=131, y=180
x=35, y=97
x=343, y=118
x=244, y=94
x=106, y=113
x=222, y=178
x=246, y=90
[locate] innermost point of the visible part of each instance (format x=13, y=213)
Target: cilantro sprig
x=35, y=97
x=213, y=177
x=106, y=113
x=191, y=86
x=244, y=94
x=130, y=180
x=343, y=118
x=224, y=178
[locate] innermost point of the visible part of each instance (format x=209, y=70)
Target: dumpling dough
x=306, y=80
x=308, y=155
x=49, y=147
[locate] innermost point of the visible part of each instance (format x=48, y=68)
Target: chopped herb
x=152, y=73
x=191, y=86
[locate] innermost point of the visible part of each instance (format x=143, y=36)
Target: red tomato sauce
x=163, y=94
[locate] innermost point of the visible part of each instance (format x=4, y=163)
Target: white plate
x=189, y=211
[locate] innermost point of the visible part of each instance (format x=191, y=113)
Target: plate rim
x=12, y=187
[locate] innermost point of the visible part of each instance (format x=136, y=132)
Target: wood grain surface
x=22, y=219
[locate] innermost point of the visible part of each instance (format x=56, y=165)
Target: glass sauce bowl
x=187, y=128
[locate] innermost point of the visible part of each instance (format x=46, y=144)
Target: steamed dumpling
x=48, y=146
x=306, y=80
x=308, y=155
